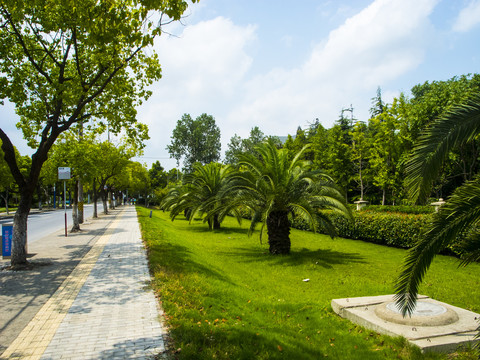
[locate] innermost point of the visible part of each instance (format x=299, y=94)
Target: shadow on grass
x=237, y=343
x=177, y=259
x=227, y=230
x=254, y=341
x=323, y=257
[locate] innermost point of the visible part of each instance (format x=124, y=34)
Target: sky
x=281, y=64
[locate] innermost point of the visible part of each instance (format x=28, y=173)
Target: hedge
x=395, y=229
x=405, y=209
x=392, y=229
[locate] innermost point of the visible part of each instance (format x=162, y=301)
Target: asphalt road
x=41, y=224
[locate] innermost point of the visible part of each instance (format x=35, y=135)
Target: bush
x=392, y=229
x=404, y=209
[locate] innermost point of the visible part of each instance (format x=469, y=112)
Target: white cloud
x=468, y=18
x=203, y=57
x=202, y=70
x=379, y=44
x=207, y=68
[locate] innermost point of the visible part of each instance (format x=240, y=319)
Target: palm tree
x=199, y=194
x=276, y=189
x=461, y=213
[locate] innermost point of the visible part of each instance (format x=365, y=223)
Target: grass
x=225, y=297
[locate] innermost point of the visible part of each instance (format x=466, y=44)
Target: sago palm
x=199, y=194
x=276, y=189
x=460, y=216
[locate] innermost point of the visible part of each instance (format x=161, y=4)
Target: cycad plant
x=277, y=189
x=199, y=194
x=457, y=221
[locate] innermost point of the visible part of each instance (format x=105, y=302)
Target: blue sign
x=7, y=232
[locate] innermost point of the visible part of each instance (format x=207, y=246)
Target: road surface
x=44, y=223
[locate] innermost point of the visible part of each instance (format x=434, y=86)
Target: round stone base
x=425, y=314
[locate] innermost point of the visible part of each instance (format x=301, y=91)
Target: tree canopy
x=74, y=61
x=195, y=141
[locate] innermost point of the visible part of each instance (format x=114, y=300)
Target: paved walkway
x=104, y=309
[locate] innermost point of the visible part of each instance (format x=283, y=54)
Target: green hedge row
x=395, y=229
x=406, y=209
x=392, y=229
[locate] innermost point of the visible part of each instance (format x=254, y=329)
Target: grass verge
x=225, y=297
x=10, y=210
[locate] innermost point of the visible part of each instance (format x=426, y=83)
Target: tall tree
x=386, y=152
x=319, y=140
x=339, y=157
x=234, y=147
x=195, y=140
x=111, y=164
x=157, y=175
x=360, y=154
x=294, y=145
x=136, y=178
x=66, y=62
x=256, y=137
x=430, y=101
x=237, y=145
x=69, y=152
x=378, y=106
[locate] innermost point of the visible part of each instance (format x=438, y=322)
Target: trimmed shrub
x=395, y=229
x=404, y=209
x=392, y=229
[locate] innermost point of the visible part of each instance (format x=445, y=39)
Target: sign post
x=64, y=174
x=7, y=233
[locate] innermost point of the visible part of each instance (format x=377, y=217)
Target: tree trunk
x=19, y=236
x=110, y=202
x=278, y=227
x=95, y=214
x=384, y=193
x=76, y=224
x=216, y=223
x=80, y=201
x=104, y=200
x=361, y=180
x=39, y=194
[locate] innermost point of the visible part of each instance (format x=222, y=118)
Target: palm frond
x=457, y=127
x=461, y=211
x=326, y=223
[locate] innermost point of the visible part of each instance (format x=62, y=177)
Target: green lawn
x=226, y=297
x=10, y=209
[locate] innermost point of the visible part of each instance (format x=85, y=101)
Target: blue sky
x=282, y=64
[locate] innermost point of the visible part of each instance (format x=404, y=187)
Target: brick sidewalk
x=104, y=309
